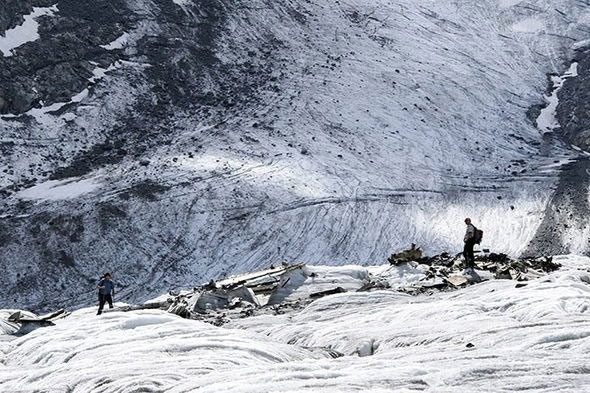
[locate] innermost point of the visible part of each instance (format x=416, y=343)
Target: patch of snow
x=508, y=3
x=79, y=97
x=119, y=43
x=182, y=2
x=529, y=25
x=55, y=190
x=547, y=122
x=26, y=32
x=572, y=71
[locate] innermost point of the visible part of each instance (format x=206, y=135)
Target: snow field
x=490, y=337
x=108, y=352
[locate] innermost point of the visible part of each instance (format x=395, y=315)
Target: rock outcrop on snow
x=573, y=112
x=60, y=63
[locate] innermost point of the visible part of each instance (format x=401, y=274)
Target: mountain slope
x=171, y=142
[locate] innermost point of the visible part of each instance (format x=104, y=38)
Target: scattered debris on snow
x=28, y=322
x=283, y=289
x=288, y=288
x=412, y=254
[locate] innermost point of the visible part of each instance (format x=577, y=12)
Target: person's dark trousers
x=102, y=299
x=468, y=253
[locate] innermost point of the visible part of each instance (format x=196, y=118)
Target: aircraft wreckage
x=280, y=289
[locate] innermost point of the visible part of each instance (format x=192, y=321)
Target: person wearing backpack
x=106, y=292
x=469, y=240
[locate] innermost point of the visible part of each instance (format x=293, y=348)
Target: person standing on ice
x=106, y=292
x=469, y=240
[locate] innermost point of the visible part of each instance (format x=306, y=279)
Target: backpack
x=477, y=235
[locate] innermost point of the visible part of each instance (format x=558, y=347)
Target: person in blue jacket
x=106, y=292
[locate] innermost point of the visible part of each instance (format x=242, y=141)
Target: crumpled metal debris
x=218, y=302
x=411, y=254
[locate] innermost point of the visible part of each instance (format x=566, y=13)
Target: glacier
x=495, y=336
x=221, y=138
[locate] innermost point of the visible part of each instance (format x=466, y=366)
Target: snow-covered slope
x=491, y=337
x=172, y=142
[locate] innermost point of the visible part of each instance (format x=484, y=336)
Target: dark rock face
x=58, y=65
x=184, y=71
x=566, y=212
x=568, y=208
x=573, y=112
x=12, y=11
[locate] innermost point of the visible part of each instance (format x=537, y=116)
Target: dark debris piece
x=411, y=254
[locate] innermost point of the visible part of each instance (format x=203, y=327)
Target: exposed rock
x=568, y=206
x=12, y=12
x=567, y=209
x=573, y=111
x=58, y=65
